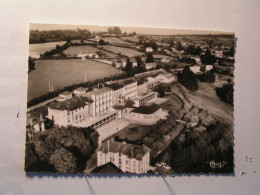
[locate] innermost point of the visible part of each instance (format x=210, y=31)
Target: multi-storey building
x=102, y=100
x=142, y=99
x=128, y=157
x=123, y=90
x=71, y=111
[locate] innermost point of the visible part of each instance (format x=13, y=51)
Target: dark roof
x=130, y=150
x=71, y=104
x=120, y=84
x=147, y=109
x=107, y=168
x=98, y=91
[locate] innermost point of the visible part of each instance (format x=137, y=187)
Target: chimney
x=41, y=117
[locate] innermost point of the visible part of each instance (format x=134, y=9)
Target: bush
x=208, y=77
x=226, y=93
x=188, y=79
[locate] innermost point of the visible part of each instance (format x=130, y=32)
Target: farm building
x=149, y=66
x=195, y=69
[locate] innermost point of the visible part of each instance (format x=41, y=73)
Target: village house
x=195, y=69
x=219, y=54
x=166, y=60
x=150, y=66
x=166, y=78
x=127, y=157
x=37, y=124
x=149, y=49
x=209, y=67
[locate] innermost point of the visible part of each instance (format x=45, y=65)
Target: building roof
x=147, y=109
x=120, y=84
x=71, y=104
x=98, y=91
x=65, y=93
x=130, y=150
x=107, y=168
x=81, y=89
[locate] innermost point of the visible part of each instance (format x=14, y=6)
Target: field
x=85, y=49
x=61, y=73
x=133, y=39
x=114, y=41
x=41, y=48
x=207, y=99
x=124, y=51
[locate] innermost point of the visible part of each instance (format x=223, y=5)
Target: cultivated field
x=124, y=51
x=41, y=48
x=61, y=73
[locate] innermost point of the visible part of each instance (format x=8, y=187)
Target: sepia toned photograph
x=118, y=100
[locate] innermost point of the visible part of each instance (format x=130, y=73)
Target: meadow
x=124, y=51
x=114, y=41
x=62, y=73
x=74, y=50
x=41, y=48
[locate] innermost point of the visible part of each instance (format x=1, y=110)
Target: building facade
x=127, y=157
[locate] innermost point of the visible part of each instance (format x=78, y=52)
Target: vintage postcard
x=109, y=99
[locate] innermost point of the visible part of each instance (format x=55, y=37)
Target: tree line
x=60, y=149
x=37, y=36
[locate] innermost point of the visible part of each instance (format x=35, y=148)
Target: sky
x=138, y=30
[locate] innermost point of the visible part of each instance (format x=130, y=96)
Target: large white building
x=127, y=157
x=123, y=90
x=102, y=100
x=71, y=111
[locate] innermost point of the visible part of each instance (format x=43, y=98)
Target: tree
x=149, y=57
x=140, y=67
x=188, y=79
x=129, y=67
x=226, y=93
x=179, y=46
x=102, y=42
x=114, y=30
x=63, y=161
x=31, y=64
x=208, y=58
x=154, y=45
x=208, y=77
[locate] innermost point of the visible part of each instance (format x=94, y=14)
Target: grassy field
x=114, y=41
x=85, y=49
x=124, y=51
x=41, y=48
x=133, y=39
x=134, y=132
x=207, y=99
x=61, y=73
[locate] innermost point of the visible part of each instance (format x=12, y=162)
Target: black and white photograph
x=119, y=100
